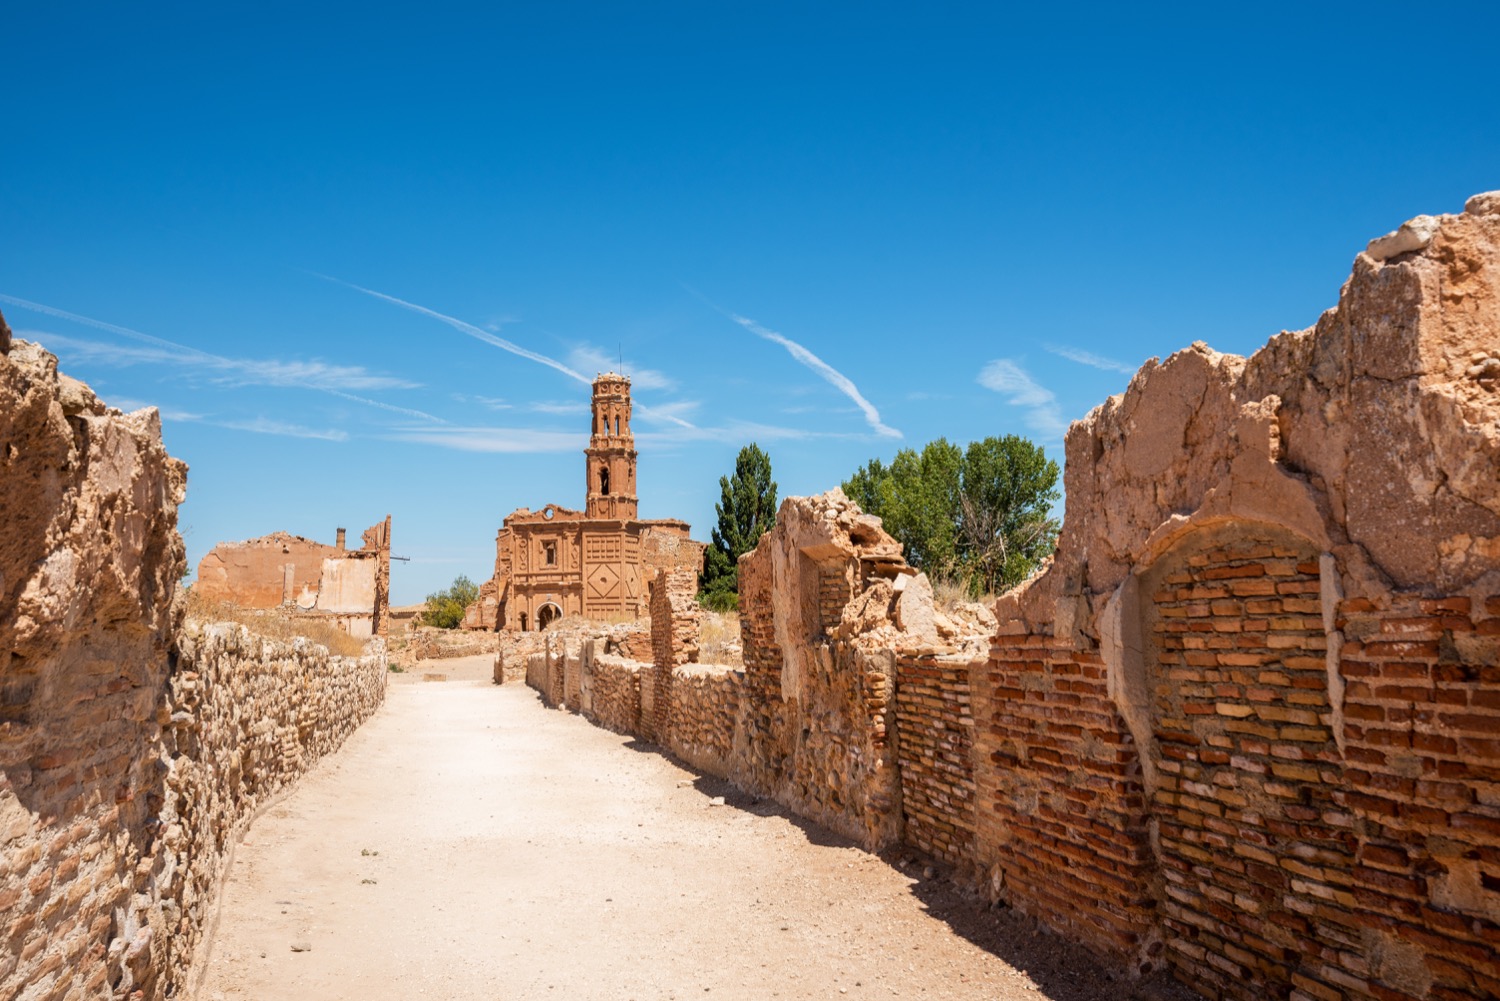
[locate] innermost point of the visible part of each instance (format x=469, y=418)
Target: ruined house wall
x=816, y=709
x=131, y=752
x=1273, y=597
x=351, y=587
x=253, y=573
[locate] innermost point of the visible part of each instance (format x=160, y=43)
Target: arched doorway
x=547, y=614
x=1251, y=836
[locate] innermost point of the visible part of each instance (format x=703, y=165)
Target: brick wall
x=1062, y=825
x=935, y=731
x=1255, y=847
x=1422, y=741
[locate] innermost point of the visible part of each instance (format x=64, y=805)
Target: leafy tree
x=746, y=510
x=1005, y=523
x=980, y=516
x=445, y=609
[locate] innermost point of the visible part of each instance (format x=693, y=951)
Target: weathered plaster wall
x=349, y=586
x=131, y=752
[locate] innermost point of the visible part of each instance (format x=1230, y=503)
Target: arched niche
x=1221, y=650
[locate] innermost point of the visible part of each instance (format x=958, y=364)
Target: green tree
x=445, y=609
x=916, y=497
x=1005, y=523
x=746, y=510
x=979, y=516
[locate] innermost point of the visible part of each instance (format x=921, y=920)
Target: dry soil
x=469, y=843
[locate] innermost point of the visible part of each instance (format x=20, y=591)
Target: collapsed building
x=1245, y=726
x=349, y=587
x=596, y=563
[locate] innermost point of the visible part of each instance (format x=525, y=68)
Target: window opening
x=549, y=553
x=604, y=480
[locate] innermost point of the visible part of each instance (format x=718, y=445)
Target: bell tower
x=610, y=457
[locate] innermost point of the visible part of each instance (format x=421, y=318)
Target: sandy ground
x=469, y=843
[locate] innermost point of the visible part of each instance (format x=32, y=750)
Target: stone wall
x=616, y=703
x=247, y=717
x=705, y=705
x=131, y=752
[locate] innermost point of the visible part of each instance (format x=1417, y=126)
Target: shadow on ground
x=1062, y=970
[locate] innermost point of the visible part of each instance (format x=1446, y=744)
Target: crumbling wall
x=131, y=752
x=1246, y=724
x=1267, y=636
x=822, y=622
x=89, y=558
x=350, y=587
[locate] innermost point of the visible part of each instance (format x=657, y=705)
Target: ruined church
x=595, y=563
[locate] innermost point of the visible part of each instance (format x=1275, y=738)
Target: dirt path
x=468, y=843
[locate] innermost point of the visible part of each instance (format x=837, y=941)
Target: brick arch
x=1254, y=848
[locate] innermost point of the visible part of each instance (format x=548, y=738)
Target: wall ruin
x=350, y=587
x=1246, y=723
x=133, y=749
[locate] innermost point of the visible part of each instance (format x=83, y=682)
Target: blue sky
x=835, y=230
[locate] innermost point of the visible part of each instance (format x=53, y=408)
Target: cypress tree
x=746, y=510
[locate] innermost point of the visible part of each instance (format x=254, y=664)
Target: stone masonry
x=133, y=750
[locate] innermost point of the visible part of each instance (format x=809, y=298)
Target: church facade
x=595, y=563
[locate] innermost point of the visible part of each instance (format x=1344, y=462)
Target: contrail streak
x=465, y=328
x=306, y=376
x=833, y=376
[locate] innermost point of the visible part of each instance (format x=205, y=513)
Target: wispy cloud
x=266, y=425
x=1011, y=381
x=738, y=432
x=670, y=413
x=1090, y=359
x=227, y=371
x=335, y=380
x=564, y=407
x=465, y=328
x=491, y=439
x=832, y=375
x=314, y=375
x=587, y=357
